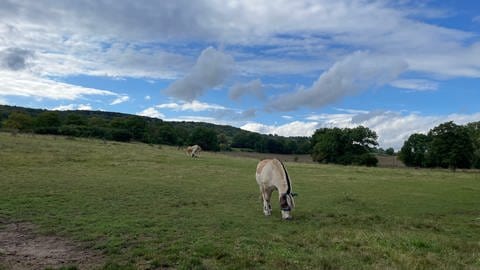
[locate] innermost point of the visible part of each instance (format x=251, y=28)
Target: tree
x=75, y=119
x=414, y=150
x=136, y=125
x=47, y=123
x=18, y=121
x=390, y=151
x=205, y=137
x=48, y=119
x=223, y=142
x=344, y=146
x=451, y=146
x=474, y=131
x=328, y=145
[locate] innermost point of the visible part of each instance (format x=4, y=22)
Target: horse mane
x=289, y=187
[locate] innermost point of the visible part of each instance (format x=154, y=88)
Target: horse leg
x=267, y=207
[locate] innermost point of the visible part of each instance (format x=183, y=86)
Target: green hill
x=126, y=127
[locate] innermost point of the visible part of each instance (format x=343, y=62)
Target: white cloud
x=196, y=118
x=152, y=112
x=296, y=128
x=211, y=70
x=250, y=88
x=85, y=107
x=72, y=107
x=476, y=19
x=454, y=61
x=216, y=113
x=27, y=85
x=357, y=72
x=120, y=99
x=415, y=84
x=194, y=105
x=148, y=97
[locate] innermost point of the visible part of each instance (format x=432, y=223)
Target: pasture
x=150, y=207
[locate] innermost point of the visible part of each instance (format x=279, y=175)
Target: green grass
x=148, y=207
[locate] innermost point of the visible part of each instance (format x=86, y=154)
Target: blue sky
x=275, y=67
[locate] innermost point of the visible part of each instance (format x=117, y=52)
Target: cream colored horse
x=194, y=150
x=271, y=175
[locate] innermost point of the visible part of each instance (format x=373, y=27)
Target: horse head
x=286, y=205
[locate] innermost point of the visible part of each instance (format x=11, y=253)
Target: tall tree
x=344, y=146
x=205, y=137
x=451, y=146
x=414, y=150
x=48, y=119
x=474, y=131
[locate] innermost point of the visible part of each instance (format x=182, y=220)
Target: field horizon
x=145, y=206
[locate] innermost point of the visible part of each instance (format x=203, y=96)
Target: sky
x=274, y=67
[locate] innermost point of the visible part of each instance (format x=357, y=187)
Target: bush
x=46, y=130
x=121, y=135
x=367, y=159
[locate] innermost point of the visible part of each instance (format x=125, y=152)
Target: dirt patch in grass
x=22, y=248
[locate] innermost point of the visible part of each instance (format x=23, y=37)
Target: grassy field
x=150, y=207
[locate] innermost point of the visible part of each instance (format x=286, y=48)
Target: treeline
x=125, y=128
x=448, y=146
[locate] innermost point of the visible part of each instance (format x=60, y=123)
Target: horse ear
x=294, y=194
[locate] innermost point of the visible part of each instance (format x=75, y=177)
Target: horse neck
x=282, y=188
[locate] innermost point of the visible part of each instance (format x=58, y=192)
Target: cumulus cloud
x=253, y=87
x=152, y=112
x=356, y=72
x=15, y=58
x=211, y=70
x=415, y=84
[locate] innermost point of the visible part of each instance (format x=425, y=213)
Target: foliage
x=390, y=151
x=344, y=146
x=18, y=121
x=448, y=146
x=206, y=138
x=414, y=150
x=474, y=131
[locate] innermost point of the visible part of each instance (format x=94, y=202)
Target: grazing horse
x=194, y=150
x=271, y=175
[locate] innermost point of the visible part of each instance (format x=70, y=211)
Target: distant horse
x=271, y=175
x=194, y=150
